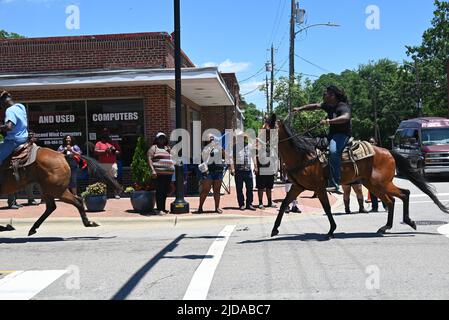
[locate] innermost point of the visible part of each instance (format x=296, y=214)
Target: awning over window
x=203, y=86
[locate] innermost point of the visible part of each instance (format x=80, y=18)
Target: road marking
x=444, y=230
x=203, y=276
x=24, y=285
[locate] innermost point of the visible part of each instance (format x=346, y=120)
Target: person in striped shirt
x=162, y=169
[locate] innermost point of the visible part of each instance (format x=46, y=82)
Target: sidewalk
x=123, y=209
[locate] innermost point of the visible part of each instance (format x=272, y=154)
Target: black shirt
x=335, y=112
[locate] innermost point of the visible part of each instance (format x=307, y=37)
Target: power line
x=261, y=70
x=252, y=91
x=313, y=64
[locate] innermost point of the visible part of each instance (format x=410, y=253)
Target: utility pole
x=270, y=110
x=268, y=98
x=291, y=78
x=180, y=206
x=418, y=91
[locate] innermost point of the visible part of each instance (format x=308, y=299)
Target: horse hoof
x=92, y=224
x=32, y=232
x=412, y=224
x=274, y=233
x=382, y=230
x=330, y=236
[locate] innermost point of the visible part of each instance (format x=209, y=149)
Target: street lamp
x=180, y=206
x=329, y=24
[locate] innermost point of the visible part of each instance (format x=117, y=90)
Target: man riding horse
x=339, y=119
x=16, y=126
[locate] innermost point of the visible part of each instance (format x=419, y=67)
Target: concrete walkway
x=123, y=209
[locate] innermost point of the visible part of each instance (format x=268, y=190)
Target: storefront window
x=52, y=121
x=124, y=120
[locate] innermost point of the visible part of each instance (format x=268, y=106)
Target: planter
x=96, y=203
x=143, y=201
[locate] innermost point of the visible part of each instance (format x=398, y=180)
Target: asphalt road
x=235, y=259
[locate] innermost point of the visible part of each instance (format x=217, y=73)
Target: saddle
x=354, y=151
x=22, y=157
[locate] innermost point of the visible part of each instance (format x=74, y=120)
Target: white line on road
x=203, y=276
x=24, y=285
x=444, y=230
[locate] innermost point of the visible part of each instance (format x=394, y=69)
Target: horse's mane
x=301, y=143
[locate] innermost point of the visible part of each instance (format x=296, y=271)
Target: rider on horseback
x=339, y=119
x=16, y=126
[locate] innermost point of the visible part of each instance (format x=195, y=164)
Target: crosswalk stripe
x=24, y=285
x=203, y=276
x=444, y=230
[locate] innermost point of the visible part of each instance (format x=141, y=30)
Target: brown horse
x=52, y=172
x=376, y=173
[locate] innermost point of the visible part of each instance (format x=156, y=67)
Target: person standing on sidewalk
x=374, y=199
x=162, y=170
x=213, y=177
x=70, y=150
x=241, y=170
x=358, y=189
x=107, y=152
x=264, y=172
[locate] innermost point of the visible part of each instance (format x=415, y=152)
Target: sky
x=236, y=34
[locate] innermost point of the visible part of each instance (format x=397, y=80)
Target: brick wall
x=120, y=51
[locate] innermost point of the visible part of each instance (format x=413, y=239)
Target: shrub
x=97, y=189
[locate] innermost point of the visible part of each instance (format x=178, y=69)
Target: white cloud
x=229, y=66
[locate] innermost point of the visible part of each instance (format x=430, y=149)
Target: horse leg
x=406, y=200
x=70, y=198
x=294, y=192
x=322, y=195
x=50, y=208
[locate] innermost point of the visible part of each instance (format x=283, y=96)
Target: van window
x=397, y=138
x=438, y=136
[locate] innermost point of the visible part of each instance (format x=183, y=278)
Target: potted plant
x=142, y=193
x=95, y=197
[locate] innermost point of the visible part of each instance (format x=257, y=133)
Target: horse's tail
x=417, y=179
x=96, y=170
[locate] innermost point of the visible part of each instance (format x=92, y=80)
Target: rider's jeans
x=6, y=149
x=337, y=144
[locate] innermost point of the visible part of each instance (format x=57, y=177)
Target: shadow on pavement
x=129, y=286
x=321, y=237
x=191, y=257
x=49, y=239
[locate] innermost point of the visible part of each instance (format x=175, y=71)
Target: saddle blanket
x=355, y=151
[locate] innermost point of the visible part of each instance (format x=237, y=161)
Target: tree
x=9, y=35
x=429, y=67
x=253, y=116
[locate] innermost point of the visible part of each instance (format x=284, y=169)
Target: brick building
x=123, y=82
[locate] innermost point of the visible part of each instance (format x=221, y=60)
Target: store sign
x=107, y=117
x=50, y=119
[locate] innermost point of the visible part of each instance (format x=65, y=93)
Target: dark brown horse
x=376, y=173
x=52, y=172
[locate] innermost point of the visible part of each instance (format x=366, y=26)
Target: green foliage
x=97, y=189
x=430, y=62
x=140, y=170
x=253, y=116
x=9, y=35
